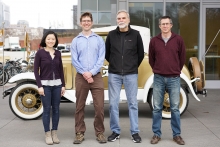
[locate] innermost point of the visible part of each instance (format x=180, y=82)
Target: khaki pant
x=97, y=91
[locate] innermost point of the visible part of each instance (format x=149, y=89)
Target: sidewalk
x=200, y=126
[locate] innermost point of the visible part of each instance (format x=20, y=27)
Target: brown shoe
x=155, y=139
x=178, y=140
x=79, y=138
x=101, y=138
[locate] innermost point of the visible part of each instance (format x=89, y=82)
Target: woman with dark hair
x=48, y=71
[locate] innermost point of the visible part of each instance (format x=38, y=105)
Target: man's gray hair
x=124, y=12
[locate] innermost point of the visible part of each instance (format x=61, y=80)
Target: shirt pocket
x=129, y=44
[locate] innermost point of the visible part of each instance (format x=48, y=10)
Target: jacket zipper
x=122, y=71
x=122, y=66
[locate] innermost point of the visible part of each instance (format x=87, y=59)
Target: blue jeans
x=172, y=86
x=115, y=82
x=51, y=99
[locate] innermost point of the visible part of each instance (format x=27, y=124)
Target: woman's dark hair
x=43, y=44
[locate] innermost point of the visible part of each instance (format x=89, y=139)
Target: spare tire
x=195, y=72
x=201, y=64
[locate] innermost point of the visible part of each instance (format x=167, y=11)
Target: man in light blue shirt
x=88, y=54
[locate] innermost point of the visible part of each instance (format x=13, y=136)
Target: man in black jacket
x=124, y=52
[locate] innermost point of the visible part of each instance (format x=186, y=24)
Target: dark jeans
x=51, y=99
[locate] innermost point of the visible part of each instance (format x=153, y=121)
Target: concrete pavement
x=200, y=126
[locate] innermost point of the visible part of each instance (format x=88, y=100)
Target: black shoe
x=136, y=138
x=113, y=137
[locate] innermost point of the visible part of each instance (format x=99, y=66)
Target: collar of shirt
x=92, y=34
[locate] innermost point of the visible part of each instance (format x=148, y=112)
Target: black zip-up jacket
x=124, y=56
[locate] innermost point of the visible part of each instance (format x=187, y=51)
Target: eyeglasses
x=88, y=21
x=163, y=24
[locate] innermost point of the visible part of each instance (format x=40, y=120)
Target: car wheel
x=25, y=101
x=166, y=113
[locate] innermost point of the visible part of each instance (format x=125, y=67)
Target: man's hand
x=90, y=80
x=87, y=75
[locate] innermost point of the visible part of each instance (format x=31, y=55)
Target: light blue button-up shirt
x=88, y=53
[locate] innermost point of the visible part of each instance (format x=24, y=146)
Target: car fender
x=150, y=81
x=70, y=95
x=188, y=82
x=147, y=86
x=22, y=76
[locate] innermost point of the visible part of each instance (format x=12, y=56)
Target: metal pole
x=24, y=38
x=3, y=63
x=211, y=44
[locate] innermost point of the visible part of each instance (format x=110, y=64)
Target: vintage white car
x=25, y=101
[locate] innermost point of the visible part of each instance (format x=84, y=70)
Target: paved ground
x=200, y=126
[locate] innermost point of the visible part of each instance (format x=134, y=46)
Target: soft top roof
x=144, y=32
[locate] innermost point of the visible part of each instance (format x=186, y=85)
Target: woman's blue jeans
x=51, y=99
x=130, y=83
x=172, y=86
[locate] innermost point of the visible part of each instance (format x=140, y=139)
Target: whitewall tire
x=184, y=100
x=25, y=101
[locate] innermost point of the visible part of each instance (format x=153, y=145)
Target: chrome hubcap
x=29, y=100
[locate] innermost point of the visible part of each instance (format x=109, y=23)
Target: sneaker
x=155, y=139
x=113, y=137
x=101, y=138
x=79, y=138
x=178, y=140
x=136, y=138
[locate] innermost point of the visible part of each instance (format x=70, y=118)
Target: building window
x=146, y=15
x=100, y=9
x=212, y=44
x=88, y=5
x=104, y=5
x=185, y=17
x=104, y=17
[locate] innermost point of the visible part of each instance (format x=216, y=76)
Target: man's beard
x=122, y=25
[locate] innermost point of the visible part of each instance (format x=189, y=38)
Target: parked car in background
x=25, y=102
x=12, y=44
x=63, y=47
x=68, y=46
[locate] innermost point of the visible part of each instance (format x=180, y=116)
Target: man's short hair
x=86, y=14
x=165, y=17
x=124, y=12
